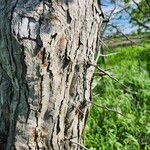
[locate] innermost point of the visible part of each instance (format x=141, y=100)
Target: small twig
x=107, y=20
x=79, y=145
x=108, y=54
x=118, y=30
x=122, y=9
x=105, y=70
x=140, y=23
x=97, y=57
x=124, y=35
x=100, y=74
x=139, y=7
x=108, y=74
x=109, y=109
x=112, y=12
x=113, y=78
x=78, y=109
x=105, y=44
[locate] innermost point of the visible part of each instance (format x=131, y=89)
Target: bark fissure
x=44, y=51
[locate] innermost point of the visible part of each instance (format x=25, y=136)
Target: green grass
x=106, y=130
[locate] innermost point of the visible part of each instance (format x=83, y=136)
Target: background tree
x=140, y=14
x=45, y=76
x=129, y=15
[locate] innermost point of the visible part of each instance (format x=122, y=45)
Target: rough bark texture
x=45, y=79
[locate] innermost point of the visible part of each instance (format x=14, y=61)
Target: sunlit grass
x=106, y=130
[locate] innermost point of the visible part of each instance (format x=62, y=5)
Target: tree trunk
x=45, y=79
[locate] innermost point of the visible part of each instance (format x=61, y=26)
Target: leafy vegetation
x=106, y=130
x=140, y=14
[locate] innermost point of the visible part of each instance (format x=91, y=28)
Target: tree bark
x=45, y=79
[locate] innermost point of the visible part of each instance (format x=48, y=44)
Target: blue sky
x=121, y=20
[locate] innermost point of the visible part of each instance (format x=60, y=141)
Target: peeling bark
x=45, y=79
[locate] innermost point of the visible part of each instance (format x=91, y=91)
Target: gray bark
x=45, y=79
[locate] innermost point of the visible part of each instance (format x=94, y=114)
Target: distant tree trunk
x=45, y=79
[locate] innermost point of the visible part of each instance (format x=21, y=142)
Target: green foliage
x=140, y=14
x=106, y=130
